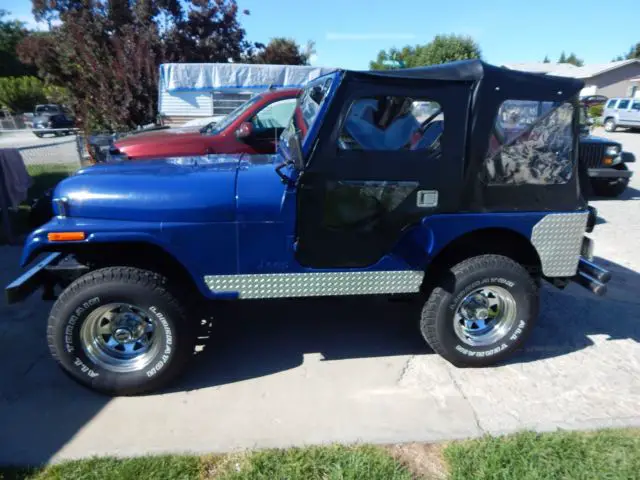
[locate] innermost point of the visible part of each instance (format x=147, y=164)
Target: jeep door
x=388, y=154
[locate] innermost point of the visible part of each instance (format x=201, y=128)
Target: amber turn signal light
x=65, y=236
x=608, y=161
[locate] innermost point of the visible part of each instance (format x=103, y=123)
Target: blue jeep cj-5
x=457, y=183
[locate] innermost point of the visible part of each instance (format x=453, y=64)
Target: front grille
x=591, y=154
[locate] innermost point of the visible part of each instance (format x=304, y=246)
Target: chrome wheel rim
x=120, y=337
x=485, y=316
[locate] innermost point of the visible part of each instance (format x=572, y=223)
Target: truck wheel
x=610, y=187
x=481, y=312
x=120, y=331
x=610, y=125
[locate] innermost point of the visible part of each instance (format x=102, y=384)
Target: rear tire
x=481, y=312
x=610, y=125
x=121, y=331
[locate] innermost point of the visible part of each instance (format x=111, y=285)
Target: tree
x=11, y=34
x=634, y=52
x=107, y=53
x=442, y=49
x=546, y=59
x=281, y=51
x=574, y=60
x=20, y=94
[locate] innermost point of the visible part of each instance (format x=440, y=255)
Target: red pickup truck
x=253, y=127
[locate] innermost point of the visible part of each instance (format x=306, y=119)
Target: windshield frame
x=307, y=140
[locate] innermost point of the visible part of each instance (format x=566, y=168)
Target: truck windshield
x=215, y=128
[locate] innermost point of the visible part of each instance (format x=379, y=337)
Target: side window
x=393, y=123
x=532, y=143
x=274, y=115
x=623, y=104
x=612, y=103
x=636, y=105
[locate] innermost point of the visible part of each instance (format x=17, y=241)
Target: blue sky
x=349, y=33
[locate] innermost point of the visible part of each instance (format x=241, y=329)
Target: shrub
x=21, y=94
x=595, y=111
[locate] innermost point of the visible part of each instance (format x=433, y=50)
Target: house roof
x=537, y=67
x=569, y=70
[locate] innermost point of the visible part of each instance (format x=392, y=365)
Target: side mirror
x=245, y=130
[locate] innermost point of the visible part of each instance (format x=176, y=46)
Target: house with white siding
x=188, y=91
x=613, y=79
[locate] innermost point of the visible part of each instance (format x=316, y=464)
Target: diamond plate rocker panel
x=316, y=284
x=558, y=238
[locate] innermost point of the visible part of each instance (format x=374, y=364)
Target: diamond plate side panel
x=558, y=238
x=316, y=284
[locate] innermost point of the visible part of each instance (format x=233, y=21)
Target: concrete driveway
x=34, y=150
x=341, y=370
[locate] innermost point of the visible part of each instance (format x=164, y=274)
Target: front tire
x=610, y=125
x=120, y=331
x=481, y=312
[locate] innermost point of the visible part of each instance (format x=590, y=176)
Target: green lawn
x=44, y=177
x=47, y=176
x=607, y=454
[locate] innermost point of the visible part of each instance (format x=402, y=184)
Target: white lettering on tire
x=518, y=331
x=73, y=321
x=168, y=342
x=84, y=369
x=485, y=353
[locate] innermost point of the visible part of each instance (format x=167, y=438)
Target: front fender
x=106, y=232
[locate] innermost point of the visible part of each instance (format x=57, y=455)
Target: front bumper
x=31, y=280
x=609, y=173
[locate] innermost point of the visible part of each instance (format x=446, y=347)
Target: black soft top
x=475, y=71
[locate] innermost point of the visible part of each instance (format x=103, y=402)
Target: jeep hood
x=182, y=189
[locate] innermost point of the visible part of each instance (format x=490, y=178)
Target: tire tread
x=428, y=324
x=156, y=282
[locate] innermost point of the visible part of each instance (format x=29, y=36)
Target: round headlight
x=612, y=150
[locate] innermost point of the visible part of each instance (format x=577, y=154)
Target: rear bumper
x=609, y=173
x=31, y=280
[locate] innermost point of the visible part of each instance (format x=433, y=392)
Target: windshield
x=306, y=115
x=46, y=109
x=215, y=128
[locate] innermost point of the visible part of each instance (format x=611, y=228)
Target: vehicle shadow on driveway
x=571, y=320
x=630, y=193
x=41, y=409
x=259, y=338
x=256, y=338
